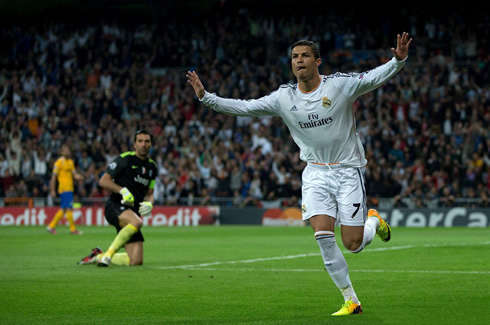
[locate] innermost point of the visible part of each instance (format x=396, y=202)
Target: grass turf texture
x=243, y=275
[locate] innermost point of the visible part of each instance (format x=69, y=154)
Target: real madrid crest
x=326, y=102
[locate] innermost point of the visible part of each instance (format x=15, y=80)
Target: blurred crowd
x=426, y=131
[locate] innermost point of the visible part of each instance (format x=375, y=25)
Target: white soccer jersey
x=321, y=122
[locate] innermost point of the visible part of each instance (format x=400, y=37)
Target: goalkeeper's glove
x=145, y=208
x=127, y=197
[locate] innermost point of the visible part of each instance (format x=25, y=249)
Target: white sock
x=335, y=263
x=350, y=294
x=369, y=232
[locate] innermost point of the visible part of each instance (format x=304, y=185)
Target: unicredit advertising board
x=94, y=216
x=282, y=217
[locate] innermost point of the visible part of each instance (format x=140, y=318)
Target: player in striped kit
x=64, y=172
x=318, y=112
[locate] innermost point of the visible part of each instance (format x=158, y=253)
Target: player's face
x=142, y=145
x=303, y=62
x=65, y=151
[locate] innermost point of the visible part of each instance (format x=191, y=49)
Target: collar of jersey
x=310, y=96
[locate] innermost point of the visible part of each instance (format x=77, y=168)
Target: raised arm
x=402, y=44
x=194, y=81
x=360, y=83
x=264, y=106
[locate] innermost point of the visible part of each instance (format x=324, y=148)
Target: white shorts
x=338, y=193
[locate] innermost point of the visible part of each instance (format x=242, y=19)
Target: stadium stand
x=92, y=84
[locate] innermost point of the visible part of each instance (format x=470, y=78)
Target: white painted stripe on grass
x=350, y=271
x=423, y=271
x=265, y=259
x=389, y=248
x=276, y=258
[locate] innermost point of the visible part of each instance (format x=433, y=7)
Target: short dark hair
x=143, y=131
x=313, y=46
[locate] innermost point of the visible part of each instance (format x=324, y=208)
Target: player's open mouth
x=300, y=68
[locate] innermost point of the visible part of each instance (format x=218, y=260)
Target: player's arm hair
x=76, y=175
x=52, y=182
x=107, y=183
x=149, y=196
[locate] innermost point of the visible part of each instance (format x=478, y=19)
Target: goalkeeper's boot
x=384, y=230
x=76, y=232
x=51, y=230
x=104, y=261
x=91, y=258
x=348, y=308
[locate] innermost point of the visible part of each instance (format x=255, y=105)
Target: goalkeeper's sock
x=69, y=217
x=120, y=259
x=57, y=217
x=117, y=259
x=335, y=263
x=122, y=238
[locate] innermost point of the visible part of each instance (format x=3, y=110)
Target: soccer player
x=64, y=172
x=131, y=179
x=318, y=112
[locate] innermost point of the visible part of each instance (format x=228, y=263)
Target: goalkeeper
x=131, y=179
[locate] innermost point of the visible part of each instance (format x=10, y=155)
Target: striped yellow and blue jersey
x=64, y=168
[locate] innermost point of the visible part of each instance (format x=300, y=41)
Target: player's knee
x=357, y=250
x=137, y=222
x=136, y=262
x=354, y=246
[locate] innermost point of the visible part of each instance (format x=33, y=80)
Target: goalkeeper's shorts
x=112, y=212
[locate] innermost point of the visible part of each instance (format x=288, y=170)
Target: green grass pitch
x=243, y=275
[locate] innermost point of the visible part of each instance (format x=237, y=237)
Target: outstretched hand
x=196, y=84
x=402, y=45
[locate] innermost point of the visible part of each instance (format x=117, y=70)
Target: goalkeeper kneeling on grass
x=130, y=178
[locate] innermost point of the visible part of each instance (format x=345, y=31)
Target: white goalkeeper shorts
x=336, y=192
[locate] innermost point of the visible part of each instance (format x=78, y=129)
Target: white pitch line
x=351, y=271
x=381, y=249
x=276, y=258
x=265, y=259
x=423, y=271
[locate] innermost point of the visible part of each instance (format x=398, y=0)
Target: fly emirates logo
x=315, y=122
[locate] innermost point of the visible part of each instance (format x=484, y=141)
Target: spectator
x=26, y=163
x=235, y=178
x=447, y=197
x=431, y=121
x=255, y=186
x=41, y=164
x=13, y=162
x=85, y=161
x=34, y=185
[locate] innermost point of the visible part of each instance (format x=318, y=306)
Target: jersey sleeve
x=72, y=166
x=264, y=106
x=116, y=166
x=56, y=167
x=155, y=175
x=358, y=84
